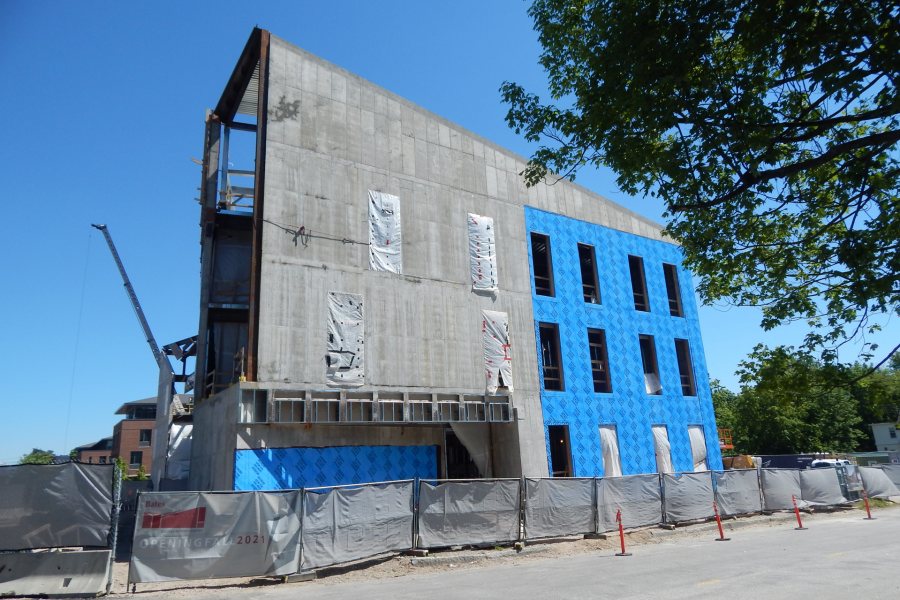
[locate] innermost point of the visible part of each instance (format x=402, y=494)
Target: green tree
x=788, y=404
x=123, y=467
x=37, y=457
x=768, y=129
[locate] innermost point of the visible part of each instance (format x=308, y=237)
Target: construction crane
x=154, y=347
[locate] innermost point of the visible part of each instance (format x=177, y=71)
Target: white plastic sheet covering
x=609, y=447
x=495, y=340
x=195, y=535
x=346, y=524
x=778, y=485
x=48, y=506
x=893, y=473
x=178, y=461
x=877, y=483
x=821, y=487
x=698, y=447
x=468, y=512
x=475, y=438
x=737, y=492
x=482, y=253
x=663, y=449
x=385, y=240
x=687, y=496
x=345, y=361
x=555, y=507
x=637, y=496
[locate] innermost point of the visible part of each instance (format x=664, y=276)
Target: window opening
x=588, y=259
x=385, y=238
x=560, y=455
x=551, y=361
x=102, y=460
x=542, y=261
x=290, y=407
x=685, y=368
x=145, y=437
x=698, y=447
x=135, y=460
x=652, y=384
x=672, y=290
x=599, y=360
x=482, y=253
x=663, y=449
x=609, y=448
x=638, y=283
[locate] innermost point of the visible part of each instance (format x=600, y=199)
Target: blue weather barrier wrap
x=468, y=512
x=687, y=496
x=557, y=507
x=345, y=524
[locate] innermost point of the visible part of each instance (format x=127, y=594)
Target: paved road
x=839, y=557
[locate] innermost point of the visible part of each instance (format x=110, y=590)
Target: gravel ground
x=447, y=560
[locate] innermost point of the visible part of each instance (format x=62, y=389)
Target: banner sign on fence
x=49, y=506
x=778, y=486
x=345, y=524
x=737, y=492
x=468, y=512
x=637, y=496
x=821, y=487
x=195, y=535
x=556, y=507
x=687, y=496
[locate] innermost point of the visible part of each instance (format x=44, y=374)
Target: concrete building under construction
x=382, y=298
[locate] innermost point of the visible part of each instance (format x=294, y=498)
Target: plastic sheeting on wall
x=195, y=535
x=609, y=447
x=555, y=507
x=49, y=506
x=737, y=492
x=495, y=340
x=637, y=496
x=663, y=449
x=778, y=486
x=698, y=447
x=482, y=253
x=469, y=512
x=385, y=239
x=178, y=458
x=877, y=483
x=688, y=496
x=345, y=361
x=345, y=524
x=821, y=487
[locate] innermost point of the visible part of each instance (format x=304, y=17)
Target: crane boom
x=157, y=355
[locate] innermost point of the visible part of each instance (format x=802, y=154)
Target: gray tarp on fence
x=195, y=535
x=778, y=485
x=877, y=483
x=821, y=487
x=46, y=506
x=893, y=473
x=737, y=492
x=468, y=512
x=636, y=495
x=555, y=507
x=687, y=496
x=345, y=524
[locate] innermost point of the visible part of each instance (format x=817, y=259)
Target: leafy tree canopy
x=769, y=130
x=37, y=457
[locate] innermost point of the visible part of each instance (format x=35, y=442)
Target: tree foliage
x=37, y=457
x=769, y=130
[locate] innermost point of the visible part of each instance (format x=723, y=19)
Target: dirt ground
x=446, y=560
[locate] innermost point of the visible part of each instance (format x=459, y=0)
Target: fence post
x=522, y=500
x=662, y=497
x=117, y=498
x=595, y=498
x=415, y=526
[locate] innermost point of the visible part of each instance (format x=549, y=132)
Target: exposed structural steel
x=154, y=347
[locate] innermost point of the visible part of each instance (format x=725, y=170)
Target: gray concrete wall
x=212, y=446
x=331, y=137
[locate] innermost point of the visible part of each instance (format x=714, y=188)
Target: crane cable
x=87, y=260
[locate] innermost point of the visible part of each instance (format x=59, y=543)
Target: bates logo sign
x=194, y=518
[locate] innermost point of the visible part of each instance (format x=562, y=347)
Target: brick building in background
x=133, y=435
x=98, y=453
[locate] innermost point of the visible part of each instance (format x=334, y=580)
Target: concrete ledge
x=473, y=557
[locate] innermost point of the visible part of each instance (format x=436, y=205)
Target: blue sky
x=103, y=108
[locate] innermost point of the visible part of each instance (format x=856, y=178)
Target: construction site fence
x=45, y=508
x=206, y=535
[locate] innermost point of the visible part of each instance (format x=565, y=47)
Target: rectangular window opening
x=599, y=361
x=638, y=283
x=543, y=265
x=560, y=454
x=609, y=448
x=135, y=460
x=590, y=288
x=145, y=437
x=685, y=368
x=672, y=290
x=652, y=384
x=551, y=360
